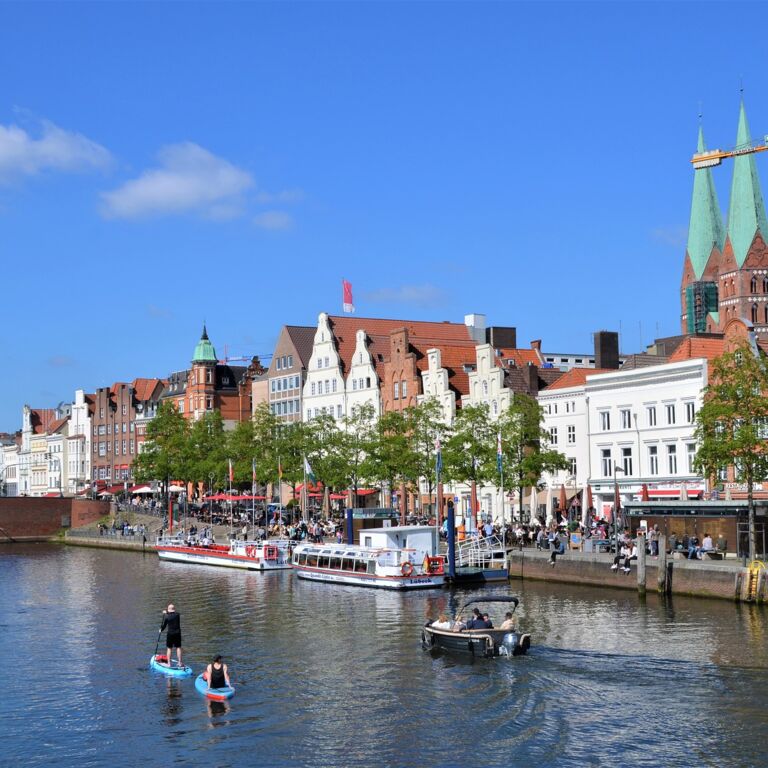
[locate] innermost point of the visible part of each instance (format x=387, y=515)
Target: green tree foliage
x=165, y=454
x=425, y=428
x=205, y=450
x=732, y=424
x=390, y=451
x=469, y=455
x=356, y=443
x=526, y=453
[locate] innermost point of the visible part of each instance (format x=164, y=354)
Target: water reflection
x=336, y=676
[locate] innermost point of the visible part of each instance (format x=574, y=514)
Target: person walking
x=172, y=622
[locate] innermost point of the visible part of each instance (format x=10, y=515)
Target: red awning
x=338, y=496
x=317, y=487
x=366, y=491
x=53, y=495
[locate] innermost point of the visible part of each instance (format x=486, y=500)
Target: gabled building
x=287, y=373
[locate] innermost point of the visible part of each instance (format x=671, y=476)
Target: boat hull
x=199, y=556
x=215, y=694
x=478, y=643
x=157, y=663
x=422, y=581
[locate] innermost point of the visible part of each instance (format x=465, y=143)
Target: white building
x=9, y=469
x=362, y=384
x=78, y=444
x=324, y=390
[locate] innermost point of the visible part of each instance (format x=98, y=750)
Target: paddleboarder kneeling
x=217, y=674
x=172, y=620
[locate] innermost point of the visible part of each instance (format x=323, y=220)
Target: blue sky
x=165, y=164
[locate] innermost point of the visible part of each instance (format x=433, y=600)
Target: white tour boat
x=267, y=555
x=400, y=557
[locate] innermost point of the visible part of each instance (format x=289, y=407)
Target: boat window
x=347, y=564
x=312, y=560
x=303, y=559
x=368, y=541
x=335, y=563
x=371, y=566
x=361, y=566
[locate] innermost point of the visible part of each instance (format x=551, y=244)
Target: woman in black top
x=218, y=674
x=172, y=621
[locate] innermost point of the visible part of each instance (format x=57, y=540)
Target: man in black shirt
x=172, y=620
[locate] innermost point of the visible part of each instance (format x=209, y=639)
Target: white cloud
x=676, y=236
x=273, y=220
x=189, y=179
x=284, y=197
x=22, y=154
x=426, y=294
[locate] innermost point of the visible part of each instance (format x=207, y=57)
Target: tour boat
x=266, y=555
x=483, y=643
x=399, y=557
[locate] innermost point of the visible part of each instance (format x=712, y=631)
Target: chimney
x=536, y=344
x=501, y=337
x=531, y=379
x=476, y=325
x=607, y=350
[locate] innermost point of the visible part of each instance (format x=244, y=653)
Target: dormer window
x=225, y=380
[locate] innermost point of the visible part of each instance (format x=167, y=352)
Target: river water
x=335, y=676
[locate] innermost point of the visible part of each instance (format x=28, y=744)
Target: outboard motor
x=508, y=644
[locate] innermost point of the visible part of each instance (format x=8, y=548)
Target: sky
x=166, y=165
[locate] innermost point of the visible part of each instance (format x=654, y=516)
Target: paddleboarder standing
x=172, y=621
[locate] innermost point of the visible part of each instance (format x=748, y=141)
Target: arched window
x=765, y=314
x=753, y=285
x=485, y=387
x=754, y=313
x=765, y=285
x=495, y=408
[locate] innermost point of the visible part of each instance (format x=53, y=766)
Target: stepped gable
x=695, y=347
x=453, y=357
x=377, y=330
x=576, y=377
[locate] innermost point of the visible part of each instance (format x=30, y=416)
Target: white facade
x=324, y=390
x=56, y=457
x=486, y=383
x=643, y=422
x=435, y=386
x=362, y=385
x=10, y=470
x=78, y=445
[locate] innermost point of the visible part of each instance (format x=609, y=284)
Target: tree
x=356, y=443
x=390, y=452
x=205, y=449
x=470, y=452
x=526, y=454
x=165, y=454
x=732, y=424
x=425, y=427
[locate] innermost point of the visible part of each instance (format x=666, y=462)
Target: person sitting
x=441, y=623
x=509, y=621
x=557, y=545
x=217, y=674
x=459, y=625
x=487, y=621
x=630, y=556
x=477, y=621
x=707, y=545
x=624, y=552
x=693, y=548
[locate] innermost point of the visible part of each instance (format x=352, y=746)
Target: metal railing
x=481, y=553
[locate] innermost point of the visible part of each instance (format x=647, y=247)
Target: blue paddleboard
x=217, y=694
x=158, y=664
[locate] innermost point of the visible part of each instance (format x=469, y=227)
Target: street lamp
x=616, y=504
x=211, y=476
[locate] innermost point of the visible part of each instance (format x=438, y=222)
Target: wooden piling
x=641, y=564
x=661, y=571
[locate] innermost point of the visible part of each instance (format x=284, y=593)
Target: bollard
x=641, y=564
x=661, y=568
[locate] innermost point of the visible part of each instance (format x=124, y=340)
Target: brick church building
x=725, y=273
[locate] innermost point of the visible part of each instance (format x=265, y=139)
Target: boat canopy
x=506, y=599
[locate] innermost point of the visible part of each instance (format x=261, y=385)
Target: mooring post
x=661, y=568
x=451, y=541
x=641, y=564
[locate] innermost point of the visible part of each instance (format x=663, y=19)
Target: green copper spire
x=204, y=351
x=705, y=230
x=746, y=213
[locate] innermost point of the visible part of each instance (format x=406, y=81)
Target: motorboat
x=397, y=557
x=266, y=555
x=479, y=643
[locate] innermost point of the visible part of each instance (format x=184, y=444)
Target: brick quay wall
x=26, y=518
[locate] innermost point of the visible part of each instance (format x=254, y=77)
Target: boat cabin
x=421, y=539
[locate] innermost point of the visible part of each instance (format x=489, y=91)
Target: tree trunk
x=473, y=504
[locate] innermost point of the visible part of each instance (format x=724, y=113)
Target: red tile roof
x=694, y=347
x=576, y=377
x=453, y=357
x=428, y=334
x=144, y=388
x=521, y=357
x=57, y=425
x=41, y=419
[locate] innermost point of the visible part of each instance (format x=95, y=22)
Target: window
x=653, y=460
x=354, y=385
x=553, y=435
x=650, y=413
x=605, y=421
x=672, y=459
x=101, y=413
x=690, y=412
x=495, y=408
x=208, y=403
x=626, y=460
x=125, y=409
x=338, y=411
x=327, y=386
x=313, y=387
x=290, y=361
x=326, y=363
x=125, y=446
x=605, y=460
x=626, y=419
x=133, y=445
x=670, y=409
x=485, y=388
x=753, y=285
x=404, y=389
x=117, y=428
x=690, y=450
x=571, y=434
x=572, y=466
x=397, y=390
x=279, y=363
x=754, y=313
x=208, y=375
x=319, y=362
x=181, y=406
x=334, y=385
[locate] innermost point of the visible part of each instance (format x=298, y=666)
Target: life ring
x=406, y=569
x=270, y=552
x=250, y=551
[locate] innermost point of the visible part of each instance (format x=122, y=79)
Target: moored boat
x=486, y=642
x=267, y=555
x=399, y=557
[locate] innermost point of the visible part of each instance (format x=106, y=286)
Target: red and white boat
x=268, y=555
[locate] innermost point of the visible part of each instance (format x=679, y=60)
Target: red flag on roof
x=347, y=296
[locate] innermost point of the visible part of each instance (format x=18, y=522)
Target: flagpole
x=253, y=493
x=231, y=521
x=305, y=495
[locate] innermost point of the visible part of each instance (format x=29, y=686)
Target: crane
x=714, y=157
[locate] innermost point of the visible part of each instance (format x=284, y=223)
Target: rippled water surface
x=335, y=676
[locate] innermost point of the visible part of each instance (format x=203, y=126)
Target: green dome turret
x=204, y=351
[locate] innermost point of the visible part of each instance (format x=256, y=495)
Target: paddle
x=158, y=643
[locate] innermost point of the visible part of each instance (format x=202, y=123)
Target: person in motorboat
x=441, y=623
x=217, y=674
x=172, y=622
x=488, y=622
x=478, y=621
x=459, y=624
x=509, y=621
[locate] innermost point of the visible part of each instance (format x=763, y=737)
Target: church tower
x=743, y=282
x=699, y=288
